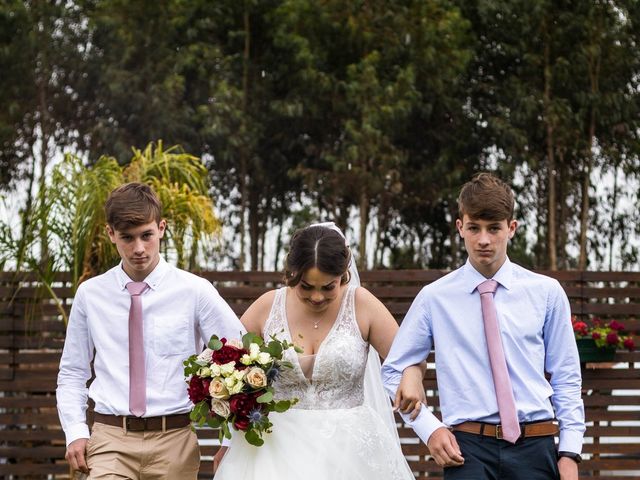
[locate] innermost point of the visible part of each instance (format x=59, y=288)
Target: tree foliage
x=73, y=212
x=371, y=114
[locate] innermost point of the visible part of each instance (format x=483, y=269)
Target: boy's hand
x=444, y=448
x=410, y=394
x=76, y=455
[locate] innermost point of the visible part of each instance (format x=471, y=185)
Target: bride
x=332, y=432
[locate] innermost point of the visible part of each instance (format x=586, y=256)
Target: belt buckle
x=499, y=432
x=137, y=427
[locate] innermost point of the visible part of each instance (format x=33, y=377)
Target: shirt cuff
x=570, y=441
x=76, y=431
x=424, y=424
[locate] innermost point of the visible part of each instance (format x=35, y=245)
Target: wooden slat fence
x=32, y=335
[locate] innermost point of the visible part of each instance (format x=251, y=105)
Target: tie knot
x=488, y=286
x=136, y=288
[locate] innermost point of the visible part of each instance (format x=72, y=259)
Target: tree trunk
x=563, y=190
x=584, y=211
x=364, y=220
x=263, y=240
x=383, y=226
x=453, y=236
x=540, y=247
x=25, y=220
x=254, y=228
x=278, y=244
x=614, y=201
x=244, y=154
x=551, y=190
x=44, y=157
x=594, y=73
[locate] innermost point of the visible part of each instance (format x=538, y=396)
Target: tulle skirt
x=340, y=444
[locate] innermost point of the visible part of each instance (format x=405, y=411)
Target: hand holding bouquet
x=231, y=383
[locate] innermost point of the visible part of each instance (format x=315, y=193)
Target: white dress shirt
x=535, y=322
x=180, y=313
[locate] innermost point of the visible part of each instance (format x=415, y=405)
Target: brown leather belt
x=537, y=429
x=141, y=424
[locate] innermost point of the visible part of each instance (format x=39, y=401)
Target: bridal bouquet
x=231, y=384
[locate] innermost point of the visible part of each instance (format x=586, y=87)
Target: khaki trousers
x=113, y=453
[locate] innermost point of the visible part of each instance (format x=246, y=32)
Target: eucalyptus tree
x=42, y=50
x=135, y=70
x=248, y=122
x=364, y=75
x=608, y=108
x=554, y=82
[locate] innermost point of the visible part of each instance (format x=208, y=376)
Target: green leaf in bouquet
x=266, y=397
x=214, y=343
x=190, y=366
x=199, y=412
x=282, y=406
x=224, y=428
x=284, y=363
x=191, y=370
x=249, y=338
x=214, y=421
x=253, y=438
x=274, y=348
x=193, y=415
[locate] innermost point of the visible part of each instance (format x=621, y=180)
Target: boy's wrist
x=571, y=455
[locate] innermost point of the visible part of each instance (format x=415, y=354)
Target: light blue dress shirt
x=535, y=321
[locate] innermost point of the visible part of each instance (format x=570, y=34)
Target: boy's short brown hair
x=486, y=197
x=131, y=205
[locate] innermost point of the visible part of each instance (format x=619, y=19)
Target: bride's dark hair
x=320, y=247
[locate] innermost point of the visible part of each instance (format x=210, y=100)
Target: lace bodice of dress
x=338, y=371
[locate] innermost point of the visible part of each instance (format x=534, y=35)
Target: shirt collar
x=153, y=279
x=473, y=278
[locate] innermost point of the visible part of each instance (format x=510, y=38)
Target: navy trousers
x=487, y=458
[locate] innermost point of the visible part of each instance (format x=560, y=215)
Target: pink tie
x=137, y=376
x=501, y=380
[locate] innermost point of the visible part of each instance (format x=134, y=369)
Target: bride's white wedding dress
x=329, y=434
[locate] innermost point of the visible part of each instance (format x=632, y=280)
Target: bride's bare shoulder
x=256, y=315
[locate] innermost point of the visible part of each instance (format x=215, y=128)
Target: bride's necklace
x=317, y=321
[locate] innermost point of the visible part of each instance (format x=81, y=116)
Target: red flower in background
x=616, y=325
x=612, y=338
x=629, y=344
x=580, y=328
x=605, y=334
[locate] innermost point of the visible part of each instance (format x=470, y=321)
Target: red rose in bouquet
x=243, y=403
x=228, y=353
x=198, y=388
x=242, y=423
